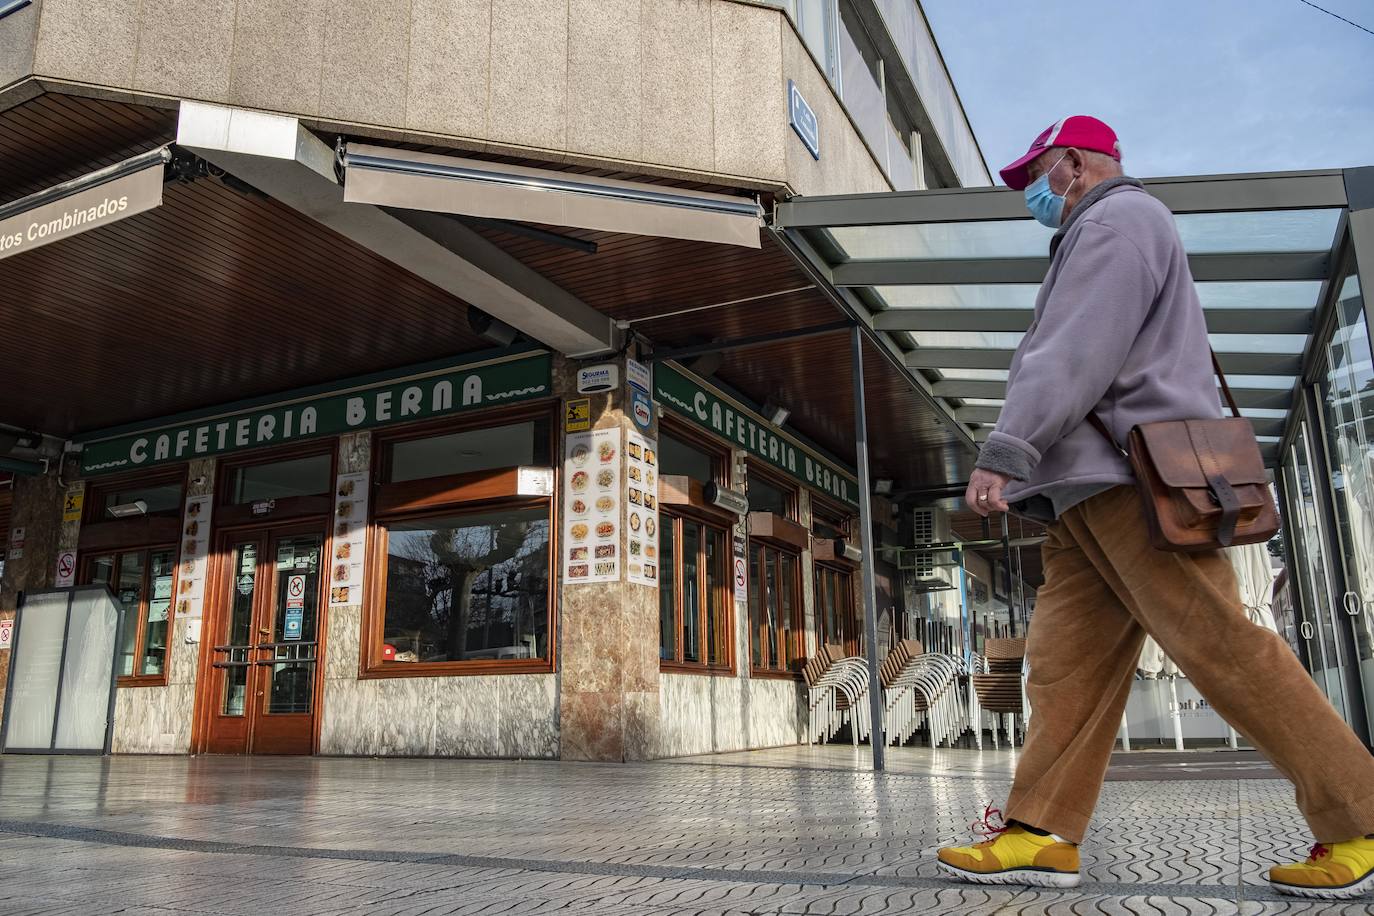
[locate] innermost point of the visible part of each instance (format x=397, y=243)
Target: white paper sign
x=195, y=551
x=350, y=540
x=591, y=507
x=66, y=569
x=637, y=374
x=641, y=509
x=6, y=633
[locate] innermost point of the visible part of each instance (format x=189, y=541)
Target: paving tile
x=791, y=831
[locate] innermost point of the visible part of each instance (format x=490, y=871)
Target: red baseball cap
x=1078, y=131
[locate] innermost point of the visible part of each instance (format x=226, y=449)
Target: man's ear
x=1077, y=161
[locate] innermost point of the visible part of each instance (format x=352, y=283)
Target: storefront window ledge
x=141, y=680
x=711, y=671
x=457, y=669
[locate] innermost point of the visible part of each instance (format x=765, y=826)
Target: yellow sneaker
x=1333, y=871
x=1013, y=855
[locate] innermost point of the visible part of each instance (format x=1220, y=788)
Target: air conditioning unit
x=931, y=570
x=931, y=526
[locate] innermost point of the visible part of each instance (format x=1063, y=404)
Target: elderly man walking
x=1118, y=332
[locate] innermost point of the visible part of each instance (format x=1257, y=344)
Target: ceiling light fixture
x=129, y=510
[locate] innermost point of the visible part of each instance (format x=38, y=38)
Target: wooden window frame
x=100, y=536
x=86, y=566
x=851, y=646
x=444, y=497
x=722, y=457
x=228, y=514
x=796, y=650
x=677, y=516
x=756, y=469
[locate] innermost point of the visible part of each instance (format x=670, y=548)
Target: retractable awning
x=390, y=177
x=89, y=202
x=950, y=277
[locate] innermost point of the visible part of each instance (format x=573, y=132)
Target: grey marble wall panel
x=343, y=630
x=153, y=720
x=706, y=715
x=528, y=724
x=496, y=716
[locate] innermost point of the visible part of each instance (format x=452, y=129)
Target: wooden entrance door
x=263, y=684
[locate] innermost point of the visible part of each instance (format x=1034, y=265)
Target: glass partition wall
x=1327, y=476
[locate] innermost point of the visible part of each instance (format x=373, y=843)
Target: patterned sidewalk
x=794, y=831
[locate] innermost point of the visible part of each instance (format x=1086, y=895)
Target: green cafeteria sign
x=417, y=393
x=712, y=410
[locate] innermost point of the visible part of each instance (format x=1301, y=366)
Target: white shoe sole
x=1349, y=891
x=1031, y=877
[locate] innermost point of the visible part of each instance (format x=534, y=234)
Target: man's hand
x=984, y=494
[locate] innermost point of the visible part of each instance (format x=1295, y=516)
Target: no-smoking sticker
x=295, y=592
x=741, y=580
x=66, y=569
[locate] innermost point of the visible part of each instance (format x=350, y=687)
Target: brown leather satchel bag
x=1202, y=482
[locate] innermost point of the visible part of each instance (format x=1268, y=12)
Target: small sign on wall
x=6, y=633
x=66, y=570
x=16, y=544
x=741, y=571
x=578, y=416
x=803, y=120
x=71, y=506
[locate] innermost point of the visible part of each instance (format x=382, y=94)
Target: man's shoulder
x=1131, y=210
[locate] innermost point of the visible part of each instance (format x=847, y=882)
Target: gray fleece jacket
x=1118, y=329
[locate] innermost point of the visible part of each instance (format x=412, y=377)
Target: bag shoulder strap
x=1101, y=427
x=1225, y=388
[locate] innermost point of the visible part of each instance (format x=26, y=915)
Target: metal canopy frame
x=945, y=279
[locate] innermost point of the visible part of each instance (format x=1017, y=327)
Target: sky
x=1192, y=87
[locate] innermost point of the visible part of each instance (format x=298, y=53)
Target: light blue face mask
x=1046, y=206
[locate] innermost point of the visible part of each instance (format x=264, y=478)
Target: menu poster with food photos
x=641, y=509
x=591, y=507
x=195, y=553
x=350, y=540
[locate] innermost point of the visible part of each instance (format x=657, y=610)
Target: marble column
x=607, y=632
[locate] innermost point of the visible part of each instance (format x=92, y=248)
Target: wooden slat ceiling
x=218, y=296
x=212, y=297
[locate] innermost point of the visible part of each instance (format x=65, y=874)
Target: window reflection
x=468, y=587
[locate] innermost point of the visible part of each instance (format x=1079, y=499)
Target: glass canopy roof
x=948, y=279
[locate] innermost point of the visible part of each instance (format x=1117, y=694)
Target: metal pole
x=876, y=741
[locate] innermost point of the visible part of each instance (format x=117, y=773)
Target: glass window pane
x=1013, y=238
x=757, y=620
x=1262, y=230
x=679, y=458
x=976, y=375
x=717, y=580
x=102, y=571
x=470, y=450
x=993, y=340
x=467, y=587
x=1258, y=343
x=161, y=565
x=1347, y=392
x=307, y=476
x=960, y=296
x=129, y=591
x=1259, y=294
x=691, y=592
x=764, y=497
x=162, y=499
x=667, y=589
x=770, y=581
x=788, y=600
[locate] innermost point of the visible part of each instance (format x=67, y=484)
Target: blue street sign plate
x=803, y=120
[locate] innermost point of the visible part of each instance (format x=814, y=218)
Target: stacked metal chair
x=921, y=688
x=1001, y=689
x=838, y=688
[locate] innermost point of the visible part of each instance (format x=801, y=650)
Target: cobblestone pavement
x=788, y=833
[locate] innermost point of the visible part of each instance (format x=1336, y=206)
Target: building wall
x=708, y=715
x=675, y=88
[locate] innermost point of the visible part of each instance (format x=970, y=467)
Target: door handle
x=1354, y=603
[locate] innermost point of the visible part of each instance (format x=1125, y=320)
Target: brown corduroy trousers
x=1105, y=588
